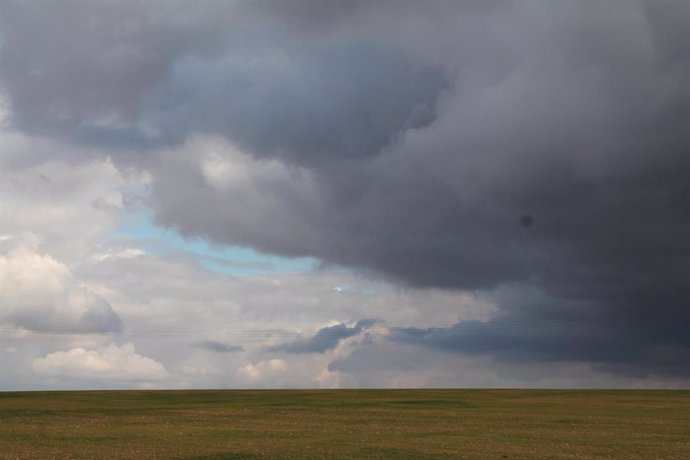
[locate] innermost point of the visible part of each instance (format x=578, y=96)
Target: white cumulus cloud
x=111, y=362
x=38, y=292
x=269, y=368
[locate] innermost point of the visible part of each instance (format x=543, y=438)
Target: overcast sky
x=306, y=193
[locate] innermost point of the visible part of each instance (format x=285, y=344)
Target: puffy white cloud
x=111, y=362
x=264, y=369
x=290, y=372
x=37, y=292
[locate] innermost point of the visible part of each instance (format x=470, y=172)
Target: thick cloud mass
x=409, y=140
x=143, y=74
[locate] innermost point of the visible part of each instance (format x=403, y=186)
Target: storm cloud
x=406, y=140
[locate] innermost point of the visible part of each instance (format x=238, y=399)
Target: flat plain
x=414, y=424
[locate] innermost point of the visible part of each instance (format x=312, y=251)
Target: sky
x=309, y=194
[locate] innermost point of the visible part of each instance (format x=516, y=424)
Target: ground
x=414, y=424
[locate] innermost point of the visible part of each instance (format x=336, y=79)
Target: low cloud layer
x=218, y=347
x=404, y=141
x=326, y=338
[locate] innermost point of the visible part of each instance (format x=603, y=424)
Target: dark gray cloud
x=138, y=75
x=409, y=141
x=532, y=327
x=325, y=339
x=218, y=347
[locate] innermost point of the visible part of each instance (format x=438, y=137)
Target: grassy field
x=415, y=424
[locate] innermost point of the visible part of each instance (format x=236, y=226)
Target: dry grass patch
x=413, y=424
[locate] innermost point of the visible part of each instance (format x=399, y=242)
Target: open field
x=346, y=424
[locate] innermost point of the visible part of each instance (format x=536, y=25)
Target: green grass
x=403, y=424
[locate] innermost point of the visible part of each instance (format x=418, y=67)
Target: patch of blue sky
x=232, y=260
